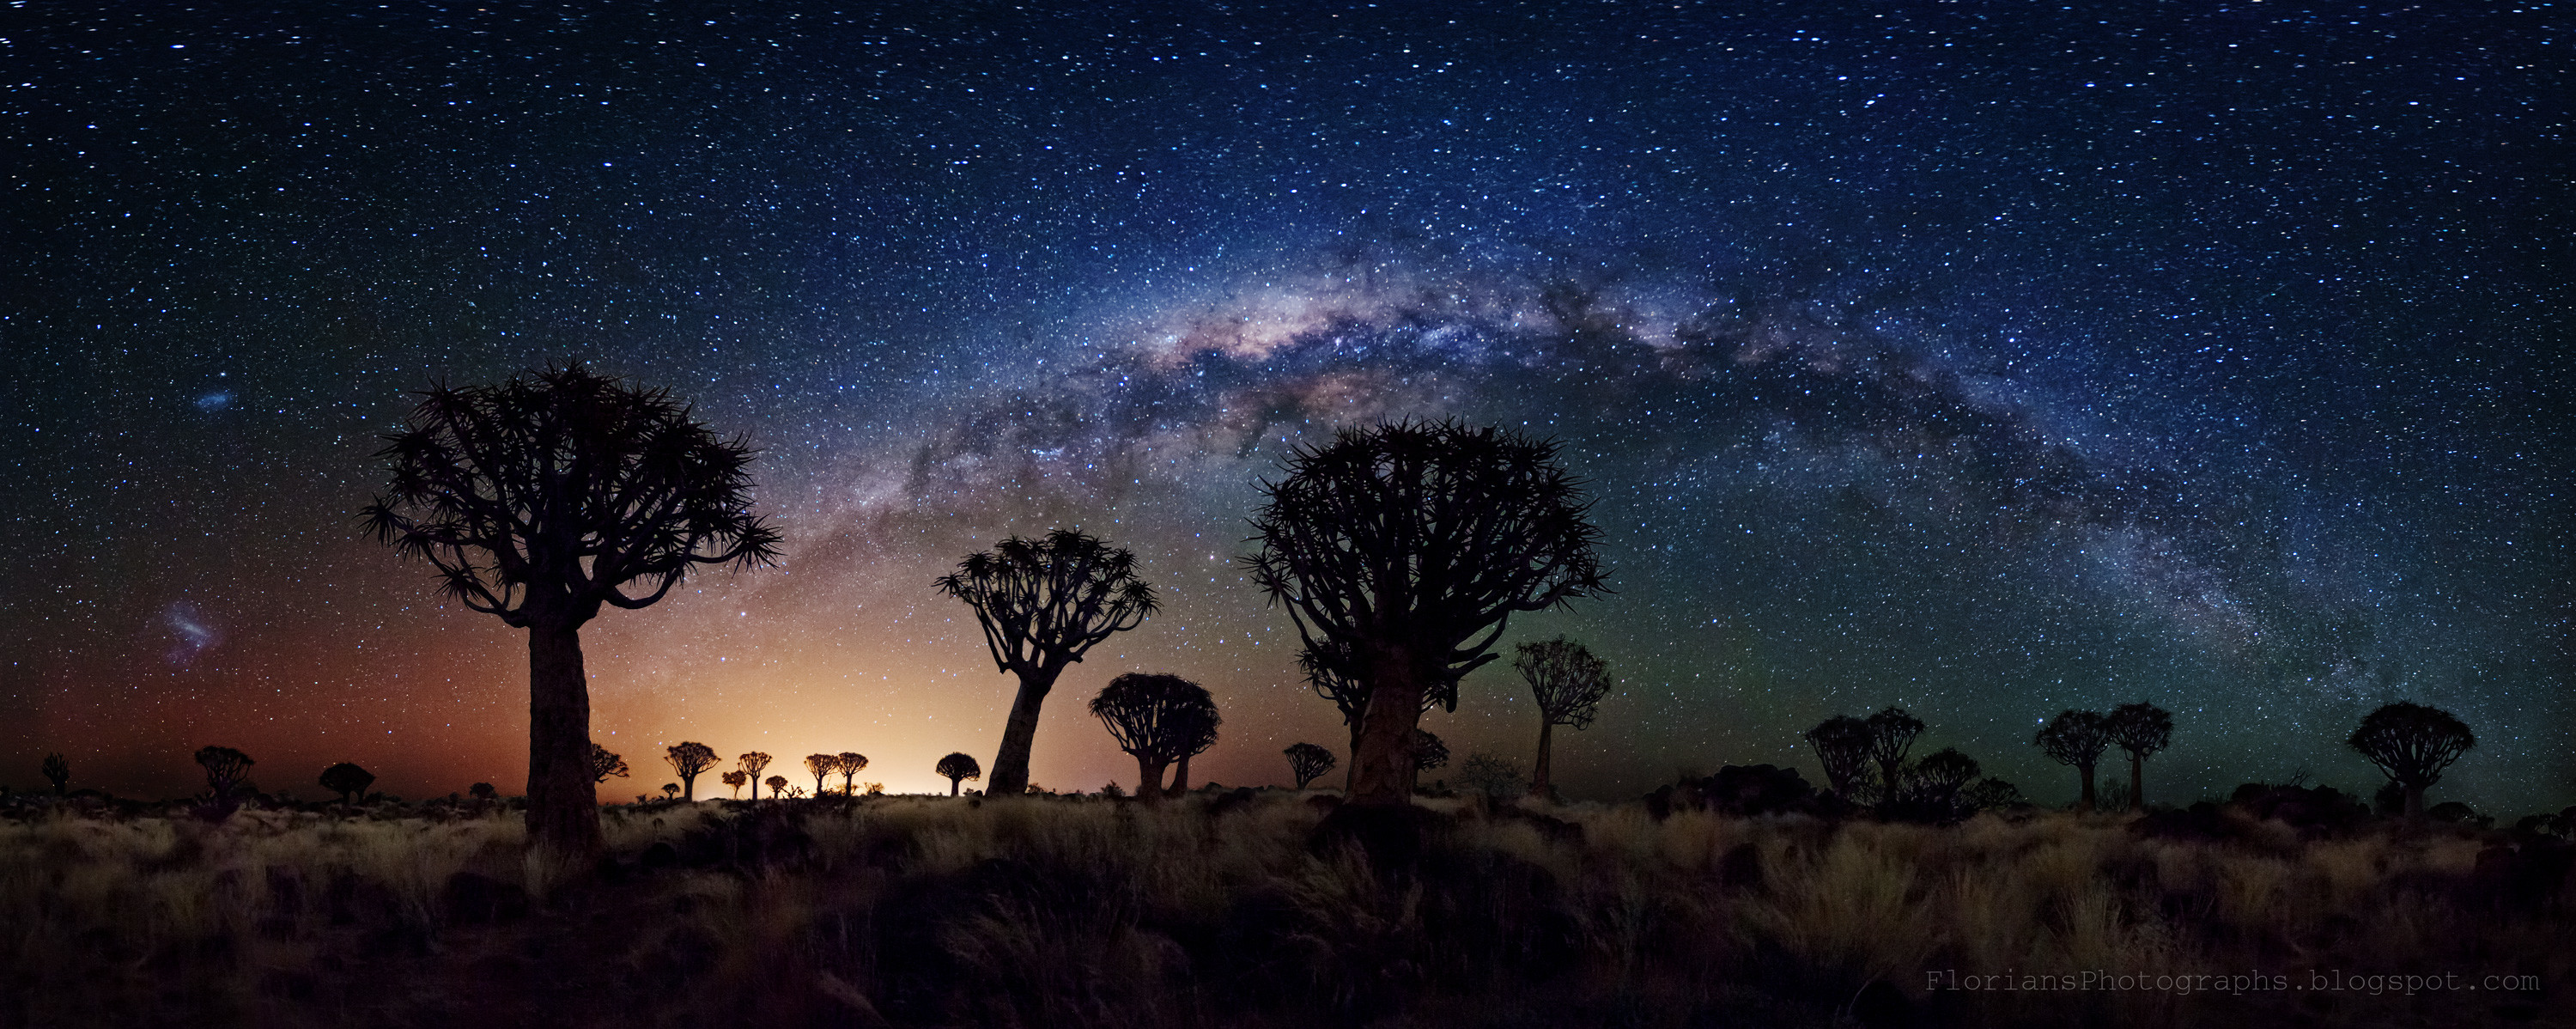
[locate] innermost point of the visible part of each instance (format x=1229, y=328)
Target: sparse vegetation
x=933, y=912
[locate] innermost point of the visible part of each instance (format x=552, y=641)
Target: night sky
x=1984, y=358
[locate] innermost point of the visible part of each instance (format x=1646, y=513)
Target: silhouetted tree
x=1042, y=603
x=1891, y=734
x=2412, y=744
x=776, y=783
x=736, y=779
x=689, y=760
x=1401, y=551
x=670, y=790
x=1937, y=781
x=58, y=771
x=852, y=763
x=224, y=767
x=1842, y=746
x=821, y=767
x=752, y=764
x=2142, y=729
x=540, y=500
x=482, y=791
x=1198, y=733
x=1155, y=719
x=347, y=780
x=1992, y=794
x=1306, y=761
x=1496, y=777
x=605, y=764
x=957, y=767
x=2077, y=738
x=1426, y=752
x=1569, y=683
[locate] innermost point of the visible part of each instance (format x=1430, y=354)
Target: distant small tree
x=1992, y=794
x=59, y=772
x=1569, y=683
x=224, y=769
x=1842, y=746
x=775, y=783
x=1934, y=789
x=1428, y=752
x=752, y=764
x=1155, y=719
x=689, y=760
x=482, y=791
x=1498, y=778
x=736, y=779
x=670, y=790
x=821, y=767
x=605, y=764
x=1043, y=604
x=348, y=780
x=1891, y=735
x=1306, y=761
x=2077, y=738
x=2412, y=744
x=2142, y=729
x=956, y=768
x=852, y=763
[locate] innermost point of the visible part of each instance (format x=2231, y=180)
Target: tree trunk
x=1887, y=772
x=2414, y=805
x=1180, y=778
x=2085, y=805
x=2137, y=781
x=1351, y=768
x=1010, y=776
x=1382, y=763
x=563, y=799
x=1538, y=770
x=689, y=788
x=952, y=786
x=1149, y=781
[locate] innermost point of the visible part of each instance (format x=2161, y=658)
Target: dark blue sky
x=1989, y=359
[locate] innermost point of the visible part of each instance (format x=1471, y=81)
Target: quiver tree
x=1401, y=551
x=689, y=760
x=821, y=767
x=57, y=771
x=605, y=764
x=2142, y=729
x=1934, y=789
x=1198, y=733
x=482, y=792
x=777, y=784
x=852, y=763
x=2412, y=744
x=1569, y=683
x=348, y=780
x=1842, y=744
x=1891, y=734
x=224, y=770
x=539, y=501
x=1155, y=719
x=752, y=763
x=1335, y=678
x=1306, y=761
x=1042, y=603
x=1424, y=752
x=2076, y=738
x=670, y=790
x=958, y=767
x=736, y=779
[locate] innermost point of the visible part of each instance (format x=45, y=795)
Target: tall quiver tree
x=1042, y=604
x=1402, y=550
x=956, y=767
x=2142, y=729
x=2076, y=738
x=1155, y=719
x=539, y=501
x=225, y=768
x=1198, y=733
x=1891, y=735
x=1307, y=761
x=822, y=767
x=348, y=780
x=751, y=765
x=2412, y=744
x=57, y=771
x=689, y=760
x=1842, y=745
x=852, y=763
x=1569, y=683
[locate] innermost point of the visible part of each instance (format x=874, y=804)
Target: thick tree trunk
x=1351, y=768
x=2085, y=806
x=1010, y=777
x=563, y=799
x=1382, y=762
x=2414, y=805
x=952, y=786
x=1180, y=778
x=2137, y=781
x=1887, y=772
x=1149, y=781
x=689, y=788
x=1538, y=770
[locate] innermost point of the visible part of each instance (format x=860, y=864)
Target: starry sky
x=1984, y=358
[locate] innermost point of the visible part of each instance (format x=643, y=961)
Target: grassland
x=1221, y=910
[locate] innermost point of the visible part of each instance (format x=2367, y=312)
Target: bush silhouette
x=1042, y=604
x=957, y=767
x=347, y=780
x=540, y=501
